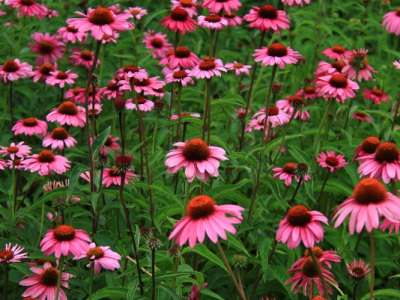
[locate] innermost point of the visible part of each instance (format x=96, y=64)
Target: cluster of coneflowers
x=131, y=88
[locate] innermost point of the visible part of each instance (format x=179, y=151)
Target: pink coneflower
x=12, y=255
x=112, y=90
x=358, y=64
x=207, y=69
x=267, y=17
x=95, y=109
x=292, y=104
x=157, y=43
x=233, y=19
x=45, y=162
x=13, y=70
x=52, y=13
x=131, y=71
x=202, y=213
x=111, y=143
x=68, y=113
x=294, y=3
x=358, y=269
x=310, y=92
x=184, y=116
x=15, y=150
x=113, y=176
x=65, y=240
x=48, y=46
x=158, y=93
x=367, y=147
x=101, y=257
x=369, y=202
x=61, y=78
x=239, y=68
x=359, y=115
x=213, y=22
x=276, y=116
x=29, y=8
x=195, y=291
x=331, y=161
x=78, y=95
x=337, y=52
x=145, y=85
x=101, y=21
x=396, y=64
x=43, y=283
x=216, y=6
x=336, y=86
x=392, y=21
x=188, y=5
x=392, y=225
x=110, y=38
x=276, y=54
x=51, y=185
x=376, y=95
x=136, y=12
x=30, y=126
x=383, y=164
x=199, y=159
x=301, y=225
x=325, y=257
x=179, y=20
x=288, y=172
x=325, y=68
x=180, y=76
x=83, y=58
x=71, y=34
x=12, y=164
x=306, y=274
x=143, y=103
x=58, y=138
x=181, y=57
x=4, y=164
x=43, y=72
x=242, y=113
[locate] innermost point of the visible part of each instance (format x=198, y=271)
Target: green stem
x=60, y=270
x=323, y=121
x=321, y=276
x=178, y=129
x=13, y=193
x=41, y=226
x=206, y=108
x=186, y=201
x=6, y=281
x=211, y=46
x=371, y=283
x=11, y=104
x=284, y=136
x=355, y=290
x=153, y=273
x=347, y=114
x=91, y=281
x=153, y=147
x=395, y=116
x=323, y=186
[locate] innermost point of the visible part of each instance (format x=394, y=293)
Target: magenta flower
x=145, y=85
x=267, y=17
x=396, y=64
x=288, y=172
x=4, y=164
x=48, y=47
x=113, y=176
x=292, y=104
x=336, y=86
x=301, y=225
x=213, y=22
x=376, y=95
x=71, y=34
x=276, y=116
x=392, y=21
x=358, y=64
x=369, y=202
x=58, y=138
x=233, y=19
x=242, y=113
x=131, y=71
x=12, y=255
x=100, y=257
x=43, y=283
x=337, y=52
x=294, y=3
x=392, y=225
x=179, y=20
x=359, y=115
x=358, y=269
x=216, y=6
x=180, y=76
x=45, y=162
x=101, y=21
x=207, y=69
x=367, y=147
x=199, y=159
x=203, y=217
x=188, y=5
x=83, y=58
x=68, y=113
x=325, y=257
x=157, y=43
x=78, y=95
x=43, y=72
x=195, y=291
x=137, y=12
x=61, y=78
x=143, y=103
x=239, y=68
x=15, y=150
x=276, y=54
x=111, y=143
x=65, y=240
x=13, y=70
x=325, y=68
x=112, y=90
x=383, y=164
x=309, y=92
x=29, y=8
x=331, y=161
x=181, y=57
x=30, y=126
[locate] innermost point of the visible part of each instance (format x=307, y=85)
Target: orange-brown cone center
x=86, y=55
x=157, y=43
x=207, y=65
x=49, y=277
x=338, y=81
x=114, y=172
x=46, y=47
x=64, y=233
x=27, y=2
x=370, y=144
x=72, y=29
x=62, y=75
x=144, y=82
x=131, y=68
x=309, y=269
x=296, y=101
x=186, y=3
x=59, y=134
x=238, y=65
x=101, y=16
x=213, y=18
x=369, y=190
x=298, y=215
x=180, y=74
x=273, y=111
x=196, y=150
x=46, y=156
x=268, y=12
x=179, y=14
x=387, y=152
x=289, y=168
x=200, y=207
x=12, y=149
x=141, y=100
x=338, y=65
x=95, y=253
x=318, y=252
x=68, y=108
x=377, y=92
x=182, y=52
x=338, y=49
x=332, y=161
x=6, y=254
x=10, y=66
x=277, y=49
x=310, y=90
x=46, y=68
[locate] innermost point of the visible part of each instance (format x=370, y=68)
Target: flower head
x=267, y=17
x=293, y=105
x=357, y=66
x=43, y=72
x=68, y=113
x=207, y=69
x=392, y=225
x=29, y=8
x=294, y=3
x=101, y=257
x=189, y=5
x=114, y=176
x=143, y=103
x=203, y=217
x=213, y=22
x=180, y=76
x=232, y=19
x=276, y=54
x=15, y=150
x=367, y=147
x=358, y=269
x=391, y=21
x=336, y=86
x=337, y=52
x=195, y=291
x=239, y=68
x=49, y=47
x=331, y=161
x=288, y=172
x=216, y=6
x=376, y=95
x=83, y=58
x=181, y=57
x=137, y=12
x=12, y=70
x=325, y=257
x=179, y=19
x=71, y=34
x=59, y=138
x=12, y=255
x=157, y=43
x=45, y=162
x=359, y=115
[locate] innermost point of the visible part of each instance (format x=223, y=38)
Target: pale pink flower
x=49, y=47
x=158, y=93
x=51, y=185
x=276, y=116
x=180, y=76
x=61, y=78
x=113, y=176
x=233, y=19
x=157, y=44
x=29, y=8
x=101, y=257
x=292, y=104
x=68, y=113
x=288, y=172
x=396, y=64
x=383, y=164
x=267, y=17
x=367, y=147
x=13, y=70
x=359, y=115
x=30, y=126
x=276, y=54
x=358, y=64
x=110, y=38
x=71, y=34
x=112, y=90
x=181, y=57
x=325, y=68
x=213, y=22
x=207, y=69
x=331, y=161
x=101, y=21
x=336, y=86
x=145, y=85
x=369, y=202
x=337, y=52
x=188, y=5
x=95, y=109
x=43, y=72
x=216, y=6
x=239, y=68
x=111, y=143
x=131, y=71
x=116, y=8
x=59, y=138
x=392, y=21
x=83, y=58
x=199, y=159
x=12, y=164
x=43, y=283
x=15, y=150
x=301, y=225
x=12, y=255
x=136, y=12
x=143, y=103
x=392, y=225
x=51, y=13
x=45, y=162
x=294, y=3
x=376, y=95
x=179, y=19
x=4, y=164
x=203, y=217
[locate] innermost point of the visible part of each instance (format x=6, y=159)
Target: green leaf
x=211, y=294
x=384, y=294
x=169, y=291
x=99, y=141
x=232, y=241
x=111, y=293
x=203, y=251
x=76, y=172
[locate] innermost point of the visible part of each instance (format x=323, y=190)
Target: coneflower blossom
x=392, y=21
x=336, y=86
x=83, y=58
x=376, y=95
x=101, y=21
x=111, y=143
x=396, y=64
x=13, y=70
x=68, y=113
x=294, y=104
x=383, y=164
x=276, y=116
x=325, y=257
x=309, y=92
x=195, y=291
x=216, y=6
x=43, y=283
x=276, y=54
x=43, y=72
x=242, y=113
x=239, y=68
x=12, y=254
x=49, y=47
x=392, y=225
x=112, y=90
x=157, y=44
x=207, y=69
x=59, y=138
x=65, y=240
x=267, y=17
x=199, y=159
x=325, y=68
x=188, y=5
x=145, y=85
x=331, y=161
x=51, y=185
x=213, y=22
x=337, y=52
x=369, y=202
x=180, y=76
x=45, y=162
x=358, y=269
x=367, y=147
x=15, y=150
x=113, y=176
x=179, y=19
x=136, y=12
x=294, y=3
x=357, y=66
x=101, y=257
x=78, y=95
x=203, y=217
x=359, y=115
x=61, y=78
x=181, y=57
x=28, y=8
x=131, y=71
x=184, y=116
x=71, y=34
x=143, y=103
x=233, y=19
x=288, y=172
x=4, y=164
x=301, y=225
x=30, y=126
